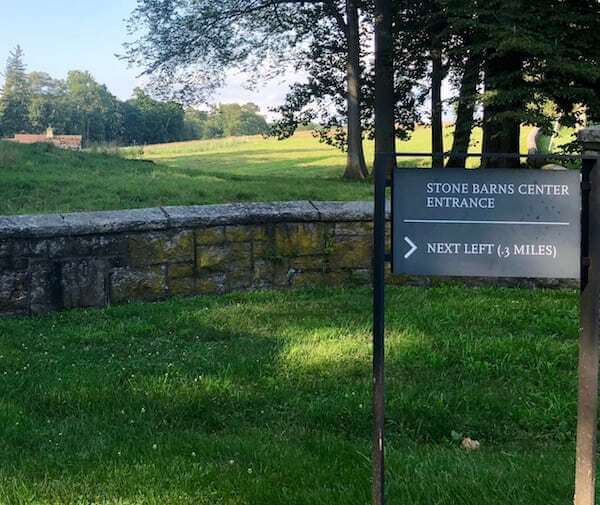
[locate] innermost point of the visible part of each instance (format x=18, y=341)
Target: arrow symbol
x=413, y=248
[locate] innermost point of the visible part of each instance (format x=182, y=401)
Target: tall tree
x=504, y=103
x=464, y=63
x=150, y=121
x=527, y=60
x=16, y=95
x=465, y=110
x=91, y=109
x=437, y=28
x=356, y=167
x=47, y=102
x=422, y=42
x=190, y=44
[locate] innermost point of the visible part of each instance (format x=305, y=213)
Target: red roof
x=57, y=140
x=25, y=138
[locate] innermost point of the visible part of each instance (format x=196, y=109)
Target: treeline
x=79, y=105
x=509, y=63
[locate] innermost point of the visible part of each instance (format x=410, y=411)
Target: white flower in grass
x=154, y=446
x=231, y=462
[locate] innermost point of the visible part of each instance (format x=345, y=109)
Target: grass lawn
x=39, y=179
x=264, y=398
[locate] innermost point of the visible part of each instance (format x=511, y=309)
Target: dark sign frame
x=570, y=234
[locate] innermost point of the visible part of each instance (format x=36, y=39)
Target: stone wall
x=54, y=262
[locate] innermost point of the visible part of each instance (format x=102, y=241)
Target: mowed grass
x=265, y=398
x=41, y=179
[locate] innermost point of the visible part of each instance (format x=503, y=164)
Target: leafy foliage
x=16, y=95
x=80, y=105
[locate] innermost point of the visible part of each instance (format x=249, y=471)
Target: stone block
x=6, y=247
x=272, y=273
x=298, y=239
x=239, y=279
x=240, y=233
x=30, y=248
x=304, y=263
x=115, y=221
x=45, y=225
x=350, y=252
x=127, y=284
x=210, y=236
x=209, y=283
x=181, y=270
x=354, y=228
x=224, y=257
x=213, y=257
x=88, y=245
x=181, y=279
x=59, y=247
x=14, y=264
x=185, y=286
x=246, y=233
x=46, y=287
x=14, y=290
x=241, y=213
x=84, y=282
x=347, y=211
x=157, y=248
x=264, y=250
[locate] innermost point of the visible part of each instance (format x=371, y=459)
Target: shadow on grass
x=265, y=398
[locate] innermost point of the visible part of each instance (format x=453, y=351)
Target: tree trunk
x=437, y=127
x=356, y=168
x=501, y=130
x=465, y=111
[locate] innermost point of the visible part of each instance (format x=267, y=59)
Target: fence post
x=587, y=402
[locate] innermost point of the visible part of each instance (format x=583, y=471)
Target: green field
x=40, y=179
x=264, y=398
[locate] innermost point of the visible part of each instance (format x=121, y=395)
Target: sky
x=62, y=35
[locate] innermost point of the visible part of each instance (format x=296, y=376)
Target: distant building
x=74, y=142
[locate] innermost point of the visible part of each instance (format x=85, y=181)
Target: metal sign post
x=497, y=223
x=587, y=402
x=385, y=162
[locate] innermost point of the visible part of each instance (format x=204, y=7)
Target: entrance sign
x=486, y=223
